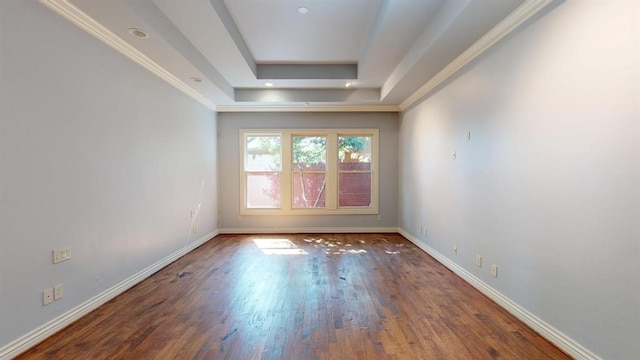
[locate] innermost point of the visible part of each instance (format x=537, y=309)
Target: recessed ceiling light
x=138, y=33
x=196, y=79
x=268, y=84
x=303, y=10
x=348, y=85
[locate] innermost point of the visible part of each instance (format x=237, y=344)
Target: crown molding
x=70, y=12
x=304, y=108
x=76, y=16
x=523, y=13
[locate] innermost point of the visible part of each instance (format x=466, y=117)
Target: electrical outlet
x=60, y=255
x=195, y=229
x=494, y=270
x=479, y=260
x=58, y=292
x=454, y=155
x=455, y=249
x=47, y=296
x=193, y=213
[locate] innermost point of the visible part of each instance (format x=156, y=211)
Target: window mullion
x=287, y=179
x=243, y=172
x=331, y=196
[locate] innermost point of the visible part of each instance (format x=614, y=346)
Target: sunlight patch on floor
x=278, y=247
x=334, y=247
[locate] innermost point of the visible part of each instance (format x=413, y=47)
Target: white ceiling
x=391, y=51
x=333, y=31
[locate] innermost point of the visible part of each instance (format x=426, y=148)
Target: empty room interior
x=306, y=179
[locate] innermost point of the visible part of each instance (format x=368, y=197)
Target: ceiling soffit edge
x=521, y=14
x=524, y=12
x=224, y=15
x=157, y=20
x=68, y=11
x=308, y=108
x=307, y=71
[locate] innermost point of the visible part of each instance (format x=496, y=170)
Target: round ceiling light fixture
x=138, y=33
x=269, y=84
x=303, y=10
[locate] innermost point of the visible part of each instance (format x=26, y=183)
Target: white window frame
x=331, y=187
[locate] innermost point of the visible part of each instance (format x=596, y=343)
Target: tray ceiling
x=239, y=55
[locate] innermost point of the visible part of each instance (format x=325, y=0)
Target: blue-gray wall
x=96, y=154
x=229, y=125
x=548, y=187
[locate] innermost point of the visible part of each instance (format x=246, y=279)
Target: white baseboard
x=309, y=230
x=547, y=331
x=555, y=336
x=34, y=337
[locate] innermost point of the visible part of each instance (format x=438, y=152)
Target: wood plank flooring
x=317, y=296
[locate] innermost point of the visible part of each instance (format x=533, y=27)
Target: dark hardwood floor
x=348, y=296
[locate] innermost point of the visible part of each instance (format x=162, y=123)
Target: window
x=297, y=172
x=309, y=171
x=354, y=171
x=263, y=168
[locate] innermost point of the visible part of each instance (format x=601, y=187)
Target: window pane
x=309, y=153
x=309, y=190
x=262, y=153
x=354, y=179
x=355, y=149
x=263, y=190
x=354, y=189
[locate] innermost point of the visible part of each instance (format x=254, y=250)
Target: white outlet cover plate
x=47, y=296
x=58, y=292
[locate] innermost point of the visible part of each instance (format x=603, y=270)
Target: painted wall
x=548, y=187
x=96, y=154
x=229, y=125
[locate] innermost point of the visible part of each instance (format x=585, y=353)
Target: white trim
x=39, y=334
x=70, y=12
x=303, y=108
x=332, y=172
x=288, y=211
x=309, y=230
x=523, y=13
x=555, y=336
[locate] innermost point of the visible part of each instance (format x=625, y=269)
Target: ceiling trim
x=282, y=96
x=67, y=10
x=310, y=108
x=307, y=71
x=158, y=21
x=76, y=16
x=523, y=13
x=223, y=13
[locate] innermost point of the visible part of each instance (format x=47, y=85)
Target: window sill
x=308, y=212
